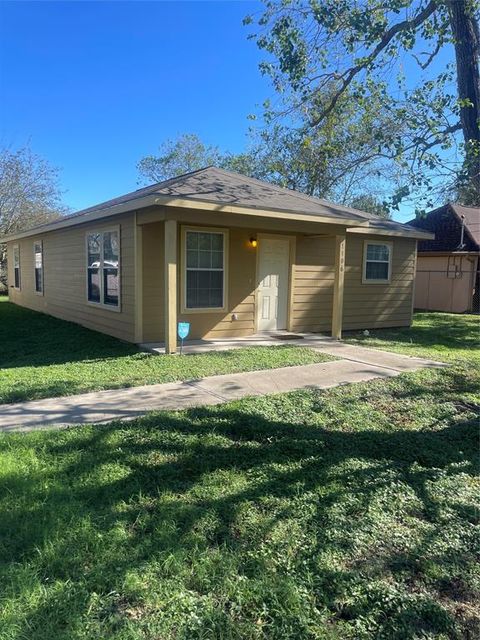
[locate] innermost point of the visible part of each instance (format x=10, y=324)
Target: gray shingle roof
x=218, y=186
x=215, y=185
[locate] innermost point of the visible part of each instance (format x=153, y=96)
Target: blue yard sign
x=183, y=331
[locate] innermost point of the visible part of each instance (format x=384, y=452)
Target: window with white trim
x=38, y=265
x=16, y=266
x=204, y=269
x=103, y=268
x=377, y=262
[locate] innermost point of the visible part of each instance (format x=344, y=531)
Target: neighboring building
x=231, y=255
x=448, y=266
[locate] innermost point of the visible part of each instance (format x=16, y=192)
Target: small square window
x=377, y=262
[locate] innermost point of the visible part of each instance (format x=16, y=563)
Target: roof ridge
x=296, y=194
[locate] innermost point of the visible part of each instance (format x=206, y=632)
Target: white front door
x=273, y=267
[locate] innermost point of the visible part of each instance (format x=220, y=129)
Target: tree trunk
x=467, y=53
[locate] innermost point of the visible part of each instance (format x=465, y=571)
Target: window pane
x=217, y=260
x=377, y=271
x=38, y=280
x=205, y=241
x=93, y=250
x=38, y=257
x=16, y=275
x=110, y=286
x=93, y=279
x=204, y=289
x=378, y=252
x=217, y=241
x=192, y=240
x=110, y=248
x=16, y=257
x=192, y=289
x=192, y=258
x=204, y=259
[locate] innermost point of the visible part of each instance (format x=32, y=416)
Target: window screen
x=16, y=266
x=205, y=253
x=103, y=264
x=377, y=262
x=38, y=266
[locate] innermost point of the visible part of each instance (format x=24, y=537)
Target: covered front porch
x=311, y=285
x=266, y=339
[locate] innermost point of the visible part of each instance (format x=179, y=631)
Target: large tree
x=321, y=164
x=181, y=155
x=29, y=194
x=389, y=53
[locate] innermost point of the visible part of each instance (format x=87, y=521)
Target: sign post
x=183, y=331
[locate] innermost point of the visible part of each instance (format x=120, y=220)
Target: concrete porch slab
x=226, y=344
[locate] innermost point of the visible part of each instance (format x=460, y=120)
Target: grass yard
x=347, y=514
x=448, y=337
x=42, y=357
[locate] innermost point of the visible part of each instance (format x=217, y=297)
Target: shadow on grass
x=169, y=490
x=30, y=338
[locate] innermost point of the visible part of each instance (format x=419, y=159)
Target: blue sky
x=95, y=86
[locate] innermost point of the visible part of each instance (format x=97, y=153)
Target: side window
x=16, y=266
x=377, y=263
x=103, y=268
x=38, y=265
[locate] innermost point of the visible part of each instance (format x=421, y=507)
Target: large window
x=377, y=263
x=103, y=268
x=16, y=267
x=204, y=269
x=38, y=265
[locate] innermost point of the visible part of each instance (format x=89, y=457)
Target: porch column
x=338, y=286
x=170, y=286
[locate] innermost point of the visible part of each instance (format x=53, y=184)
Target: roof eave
x=353, y=225
x=407, y=233
x=286, y=214
x=95, y=214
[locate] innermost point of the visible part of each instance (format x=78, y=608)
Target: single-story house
x=231, y=255
x=448, y=265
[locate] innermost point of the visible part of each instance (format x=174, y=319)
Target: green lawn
x=347, y=514
x=447, y=337
x=41, y=357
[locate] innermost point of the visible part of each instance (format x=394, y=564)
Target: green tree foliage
x=185, y=154
x=320, y=163
x=381, y=57
x=29, y=195
x=372, y=204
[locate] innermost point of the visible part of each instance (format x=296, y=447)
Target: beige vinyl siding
x=369, y=306
x=240, y=289
x=240, y=295
x=64, y=270
x=153, y=282
x=365, y=305
x=313, y=276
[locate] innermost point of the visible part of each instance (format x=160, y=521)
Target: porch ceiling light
x=253, y=242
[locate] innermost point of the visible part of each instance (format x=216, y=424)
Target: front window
x=377, y=263
x=16, y=266
x=38, y=265
x=103, y=264
x=205, y=269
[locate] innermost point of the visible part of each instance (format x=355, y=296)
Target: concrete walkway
x=357, y=364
